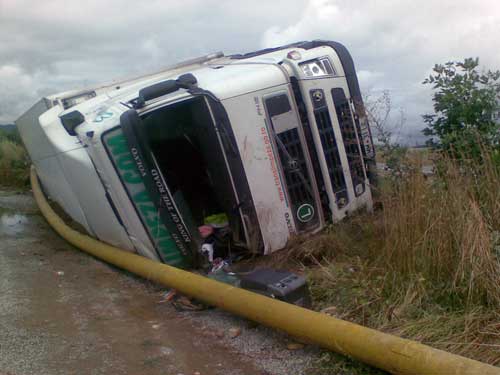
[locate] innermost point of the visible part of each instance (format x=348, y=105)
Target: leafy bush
x=464, y=103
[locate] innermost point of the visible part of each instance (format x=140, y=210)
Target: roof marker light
x=294, y=55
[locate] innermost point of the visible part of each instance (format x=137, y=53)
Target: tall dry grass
x=445, y=230
x=426, y=266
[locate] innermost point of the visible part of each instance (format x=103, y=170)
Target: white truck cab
x=276, y=141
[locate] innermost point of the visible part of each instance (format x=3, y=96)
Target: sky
x=55, y=45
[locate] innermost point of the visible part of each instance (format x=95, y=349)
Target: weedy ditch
x=424, y=266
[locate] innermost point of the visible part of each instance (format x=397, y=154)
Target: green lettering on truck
x=116, y=145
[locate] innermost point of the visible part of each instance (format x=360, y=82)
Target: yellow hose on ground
x=391, y=353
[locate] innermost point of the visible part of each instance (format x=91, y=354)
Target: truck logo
x=305, y=213
x=293, y=165
x=317, y=95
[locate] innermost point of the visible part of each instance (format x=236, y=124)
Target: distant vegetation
x=14, y=160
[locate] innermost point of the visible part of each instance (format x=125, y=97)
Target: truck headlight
x=318, y=67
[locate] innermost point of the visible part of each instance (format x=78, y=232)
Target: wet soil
x=63, y=312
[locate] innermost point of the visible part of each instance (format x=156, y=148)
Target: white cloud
x=371, y=80
x=54, y=45
x=15, y=85
x=66, y=44
x=317, y=14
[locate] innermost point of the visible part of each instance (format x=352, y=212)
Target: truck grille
x=331, y=153
x=297, y=188
x=284, y=128
x=351, y=144
x=313, y=153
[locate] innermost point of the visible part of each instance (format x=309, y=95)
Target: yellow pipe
x=391, y=353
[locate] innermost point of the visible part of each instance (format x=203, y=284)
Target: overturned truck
x=219, y=153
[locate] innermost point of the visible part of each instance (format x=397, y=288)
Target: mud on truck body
x=276, y=141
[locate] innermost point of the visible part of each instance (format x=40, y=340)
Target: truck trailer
x=243, y=151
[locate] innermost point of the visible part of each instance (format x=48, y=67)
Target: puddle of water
x=12, y=224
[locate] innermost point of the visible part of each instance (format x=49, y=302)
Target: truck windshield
x=183, y=141
x=186, y=171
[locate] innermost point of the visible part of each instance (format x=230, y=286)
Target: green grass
x=14, y=161
x=332, y=363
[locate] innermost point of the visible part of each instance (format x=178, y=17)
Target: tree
x=464, y=103
x=379, y=110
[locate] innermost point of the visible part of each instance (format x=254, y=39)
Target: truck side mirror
x=71, y=120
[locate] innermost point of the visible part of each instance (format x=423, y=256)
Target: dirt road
x=63, y=312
